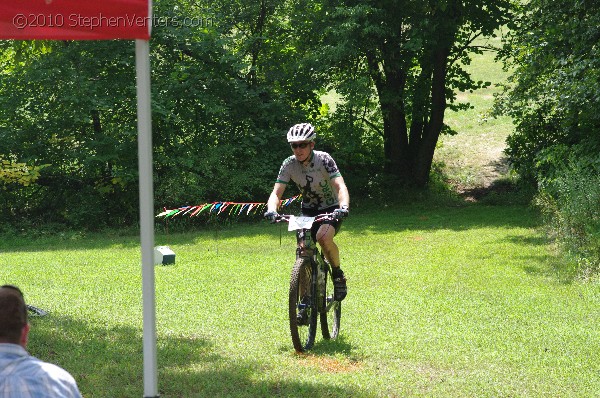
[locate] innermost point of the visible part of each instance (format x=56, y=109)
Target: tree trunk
x=431, y=132
x=390, y=85
x=409, y=155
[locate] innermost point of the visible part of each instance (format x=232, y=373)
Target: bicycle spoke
x=331, y=314
x=302, y=312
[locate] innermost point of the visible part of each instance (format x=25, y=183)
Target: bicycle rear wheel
x=302, y=308
x=330, y=319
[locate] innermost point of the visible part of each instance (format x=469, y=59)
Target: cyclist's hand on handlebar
x=341, y=213
x=271, y=215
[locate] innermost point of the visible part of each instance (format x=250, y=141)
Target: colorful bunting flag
x=235, y=208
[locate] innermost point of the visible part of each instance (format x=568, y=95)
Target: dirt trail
x=474, y=162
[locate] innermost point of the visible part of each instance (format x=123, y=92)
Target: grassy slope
x=474, y=157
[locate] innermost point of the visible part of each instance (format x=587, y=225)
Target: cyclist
x=323, y=191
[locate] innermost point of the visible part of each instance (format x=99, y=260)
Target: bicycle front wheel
x=302, y=308
x=332, y=310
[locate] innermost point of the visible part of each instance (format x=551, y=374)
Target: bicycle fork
x=319, y=267
x=306, y=249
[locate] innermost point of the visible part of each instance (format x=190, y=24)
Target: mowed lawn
x=445, y=300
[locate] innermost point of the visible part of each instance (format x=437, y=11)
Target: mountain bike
x=311, y=287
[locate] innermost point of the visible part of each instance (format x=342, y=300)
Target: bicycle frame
x=307, y=248
x=313, y=299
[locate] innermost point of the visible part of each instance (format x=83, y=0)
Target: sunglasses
x=301, y=145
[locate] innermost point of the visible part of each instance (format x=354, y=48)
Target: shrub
x=570, y=204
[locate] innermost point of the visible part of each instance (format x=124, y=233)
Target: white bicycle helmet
x=301, y=132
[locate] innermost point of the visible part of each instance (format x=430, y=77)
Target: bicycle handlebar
x=318, y=218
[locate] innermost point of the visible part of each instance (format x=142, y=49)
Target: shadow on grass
x=372, y=220
x=548, y=266
x=338, y=346
x=109, y=363
x=545, y=265
x=457, y=218
x=528, y=240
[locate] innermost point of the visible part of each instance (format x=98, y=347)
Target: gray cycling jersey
x=313, y=180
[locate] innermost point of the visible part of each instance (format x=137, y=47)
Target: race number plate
x=300, y=223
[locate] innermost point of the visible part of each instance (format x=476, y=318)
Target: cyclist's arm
x=342, y=191
x=273, y=203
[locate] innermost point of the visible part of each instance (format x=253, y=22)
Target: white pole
x=145, y=167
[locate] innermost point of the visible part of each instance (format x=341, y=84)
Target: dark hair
x=13, y=314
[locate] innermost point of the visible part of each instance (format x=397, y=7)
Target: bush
x=570, y=204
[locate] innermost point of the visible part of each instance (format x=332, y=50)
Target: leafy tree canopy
x=226, y=85
x=397, y=65
x=553, y=94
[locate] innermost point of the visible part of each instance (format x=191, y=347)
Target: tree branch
x=372, y=125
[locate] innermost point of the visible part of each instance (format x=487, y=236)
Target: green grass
x=474, y=157
x=447, y=301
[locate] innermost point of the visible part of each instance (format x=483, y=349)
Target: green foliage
x=223, y=96
x=553, y=97
x=70, y=106
x=12, y=172
x=570, y=203
x=397, y=66
x=224, y=91
x=553, y=94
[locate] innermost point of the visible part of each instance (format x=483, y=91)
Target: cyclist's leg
x=324, y=236
x=323, y=232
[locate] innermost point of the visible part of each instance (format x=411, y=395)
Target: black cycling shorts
x=337, y=224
